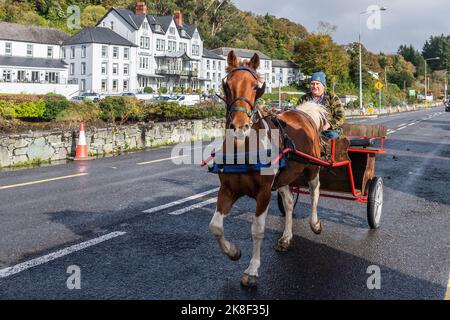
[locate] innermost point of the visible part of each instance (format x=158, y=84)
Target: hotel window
x=183, y=47
x=8, y=48
x=115, y=52
x=125, y=69
x=104, y=68
x=141, y=43
x=195, y=50
x=147, y=43
x=145, y=25
x=72, y=52
x=115, y=85
x=213, y=76
x=112, y=25
x=49, y=52
x=104, y=85
x=219, y=77
x=83, y=68
x=64, y=53
x=7, y=75
x=21, y=75
x=158, y=28
x=52, y=77
x=35, y=76
x=207, y=64
x=172, y=30
x=214, y=65
x=171, y=46
x=104, y=51
x=220, y=65
x=72, y=69
x=29, y=50
x=126, y=53
x=83, y=51
x=267, y=65
x=160, y=44
x=115, y=69
x=207, y=75
x=125, y=85
x=83, y=85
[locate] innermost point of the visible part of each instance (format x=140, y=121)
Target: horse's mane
x=317, y=112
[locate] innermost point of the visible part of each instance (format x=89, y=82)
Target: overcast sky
x=404, y=22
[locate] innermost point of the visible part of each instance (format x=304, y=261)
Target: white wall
x=67, y=90
x=19, y=49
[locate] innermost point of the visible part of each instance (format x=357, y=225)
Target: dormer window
x=158, y=28
x=172, y=30
x=112, y=25
x=145, y=26
x=184, y=33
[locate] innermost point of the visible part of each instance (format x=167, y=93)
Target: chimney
x=141, y=8
x=178, y=19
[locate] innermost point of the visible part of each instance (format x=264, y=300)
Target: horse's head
x=242, y=87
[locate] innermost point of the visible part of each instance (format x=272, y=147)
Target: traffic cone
x=82, y=149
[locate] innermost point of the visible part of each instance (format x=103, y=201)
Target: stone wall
x=59, y=145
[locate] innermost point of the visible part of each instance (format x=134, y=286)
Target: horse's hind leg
x=314, y=221
x=249, y=279
x=288, y=203
x=224, y=203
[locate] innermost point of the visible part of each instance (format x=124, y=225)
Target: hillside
x=220, y=22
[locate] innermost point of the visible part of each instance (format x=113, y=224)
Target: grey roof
x=178, y=54
x=241, y=53
x=27, y=33
x=136, y=20
x=32, y=62
x=284, y=64
x=211, y=55
x=99, y=35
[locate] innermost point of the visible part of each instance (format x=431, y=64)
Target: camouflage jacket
x=335, y=108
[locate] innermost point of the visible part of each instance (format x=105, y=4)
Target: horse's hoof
x=249, y=281
x=317, y=227
x=282, y=246
x=237, y=255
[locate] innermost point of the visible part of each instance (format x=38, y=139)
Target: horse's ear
x=254, y=62
x=232, y=60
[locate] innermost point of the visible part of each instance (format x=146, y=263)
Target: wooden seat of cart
x=349, y=172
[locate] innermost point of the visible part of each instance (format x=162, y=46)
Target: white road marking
x=401, y=125
x=194, y=206
x=42, y=181
x=177, y=202
x=161, y=160
x=58, y=254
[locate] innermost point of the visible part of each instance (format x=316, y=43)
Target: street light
x=426, y=87
x=360, y=56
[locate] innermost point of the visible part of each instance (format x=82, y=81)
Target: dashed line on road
x=194, y=206
x=58, y=254
x=42, y=181
x=161, y=160
x=177, y=202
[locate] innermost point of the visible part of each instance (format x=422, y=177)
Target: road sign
x=378, y=85
x=412, y=93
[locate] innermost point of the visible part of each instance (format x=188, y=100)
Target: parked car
x=77, y=99
x=129, y=94
x=161, y=98
x=447, y=105
x=91, y=96
x=185, y=100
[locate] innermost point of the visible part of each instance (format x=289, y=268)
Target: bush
x=121, y=108
x=148, y=90
x=30, y=110
x=76, y=112
x=7, y=110
x=164, y=111
x=162, y=90
x=54, y=105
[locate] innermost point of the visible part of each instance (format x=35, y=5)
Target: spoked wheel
x=375, y=202
x=280, y=203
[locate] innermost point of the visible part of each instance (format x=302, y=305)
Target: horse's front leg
x=249, y=279
x=224, y=202
x=314, y=221
x=288, y=203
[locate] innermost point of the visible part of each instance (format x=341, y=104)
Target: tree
x=438, y=46
x=91, y=15
x=320, y=53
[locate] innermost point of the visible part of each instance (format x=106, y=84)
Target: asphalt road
x=91, y=215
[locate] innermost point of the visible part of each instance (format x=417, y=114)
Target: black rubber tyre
x=375, y=202
x=281, y=206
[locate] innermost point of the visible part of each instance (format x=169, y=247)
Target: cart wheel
x=281, y=206
x=375, y=202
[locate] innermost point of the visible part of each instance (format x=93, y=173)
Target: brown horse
x=242, y=88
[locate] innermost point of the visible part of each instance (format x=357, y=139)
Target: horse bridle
x=231, y=105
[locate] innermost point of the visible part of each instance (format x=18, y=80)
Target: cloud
x=404, y=22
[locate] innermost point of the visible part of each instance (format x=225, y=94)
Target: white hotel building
x=31, y=61
x=101, y=61
x=126, y=52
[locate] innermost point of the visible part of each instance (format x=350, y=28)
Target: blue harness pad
x=245, y=166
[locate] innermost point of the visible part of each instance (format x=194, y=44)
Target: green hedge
x=24, y=110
